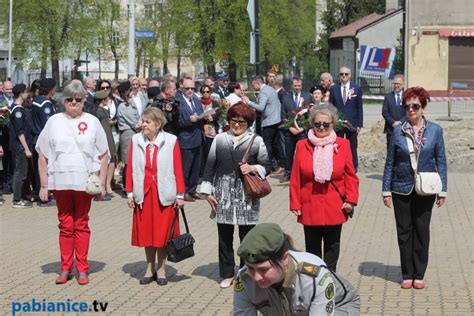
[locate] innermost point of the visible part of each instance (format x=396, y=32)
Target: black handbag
x=181, y=247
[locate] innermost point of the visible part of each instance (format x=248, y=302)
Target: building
x=440, y=46
x=352, y=45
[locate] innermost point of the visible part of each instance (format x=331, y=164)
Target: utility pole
x=257, y=40
x=131, y=38
x=10, y=42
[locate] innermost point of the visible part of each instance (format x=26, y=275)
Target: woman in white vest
x=155, y=186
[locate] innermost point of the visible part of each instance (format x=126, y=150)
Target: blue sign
x=376, y=60
x=144, y=34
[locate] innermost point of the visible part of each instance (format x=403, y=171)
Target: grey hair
x=326, y=75
x=156, y=115
x=74, y=89
x=324, y=108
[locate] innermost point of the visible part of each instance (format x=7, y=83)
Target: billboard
x=376, y=61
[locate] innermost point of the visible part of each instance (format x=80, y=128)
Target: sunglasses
x=414, y=106
x=189, y=88
x=206, y=91
x=77, y=100
x=104, y=87
x=342, y=74
x=323, y=124
x=232, y=121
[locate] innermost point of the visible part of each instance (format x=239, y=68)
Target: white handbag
x=426, y=183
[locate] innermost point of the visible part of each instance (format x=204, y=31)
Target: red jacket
x=320, y=204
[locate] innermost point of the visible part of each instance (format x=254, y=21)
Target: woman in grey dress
x=224, y=188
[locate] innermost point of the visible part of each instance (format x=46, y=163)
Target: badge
x=18, y=114
x=238, y=285
x=325, y=276
x=47, y=110
x=329, y=292
x=330, y=307
x=82, y=126
x=309, y=269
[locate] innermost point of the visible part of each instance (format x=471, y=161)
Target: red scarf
x=206, y=102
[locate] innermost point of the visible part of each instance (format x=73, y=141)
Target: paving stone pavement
x=369, y=258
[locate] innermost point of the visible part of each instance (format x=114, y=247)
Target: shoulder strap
x=78, y=147
x=176, y=219
x=247, y=152
x=411, y=150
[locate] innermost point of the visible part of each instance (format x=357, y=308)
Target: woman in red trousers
x=155, y=186
x=323, y=166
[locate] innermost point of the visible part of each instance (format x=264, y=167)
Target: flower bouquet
x=342, y=124
x=4, y=113
x=297, y=119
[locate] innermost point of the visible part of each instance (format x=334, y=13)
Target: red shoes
x=64, y=277
x=419, y=284
x=416, y=284
x=83, y=278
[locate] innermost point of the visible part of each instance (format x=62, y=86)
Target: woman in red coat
x=155, y=186
x=322, y=163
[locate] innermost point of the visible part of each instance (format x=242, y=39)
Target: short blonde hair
x=156, y=115
x=324, y=108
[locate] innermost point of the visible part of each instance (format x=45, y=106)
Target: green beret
x=261, y=243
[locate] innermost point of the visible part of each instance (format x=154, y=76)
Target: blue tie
x=397, y=98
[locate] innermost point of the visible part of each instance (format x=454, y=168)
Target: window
x=116, y=37
x=149, y=11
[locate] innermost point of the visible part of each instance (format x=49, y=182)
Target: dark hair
x=203, y=87
x=100, y=82
x=257, y=78
x=417, y=92
x=243, y=110
x=44, y=91
x=232, y=86
x=35, y=85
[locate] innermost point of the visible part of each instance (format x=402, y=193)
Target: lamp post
x=10, y=42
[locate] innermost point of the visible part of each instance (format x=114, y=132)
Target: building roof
x=351, y=30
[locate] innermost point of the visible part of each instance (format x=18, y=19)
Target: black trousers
x=36, y=183
x=290, y=146
x=191, y=164
x=19, y=174
x=272, y=139
x=389, y=136
x=226, y=250
x=331, y=235
x=206, y=148
x=352, y=137
x=413, y=216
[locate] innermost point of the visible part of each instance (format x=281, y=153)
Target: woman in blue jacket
x=413, y=211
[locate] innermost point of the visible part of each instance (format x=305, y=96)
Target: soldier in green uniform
x=277, y=280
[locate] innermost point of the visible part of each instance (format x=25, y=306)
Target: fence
x=373, y=84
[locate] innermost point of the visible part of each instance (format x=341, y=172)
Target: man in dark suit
x=392, y=110
x=347, y=97
x=293, y=101
x=190, y=136
x=222, y=84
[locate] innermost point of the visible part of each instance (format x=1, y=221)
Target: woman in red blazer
x=322, y=163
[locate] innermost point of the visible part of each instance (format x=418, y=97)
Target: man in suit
x=222, y=83
x=270, y=107
x=347, y=97
x=293, y=101
x=392, y=109
x=190, y=136
x=90, y=86
x=326, y=82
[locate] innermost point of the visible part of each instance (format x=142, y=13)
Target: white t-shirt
x=68, y=169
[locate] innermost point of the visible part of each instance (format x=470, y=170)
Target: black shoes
x=148, y=280
x=162, y=281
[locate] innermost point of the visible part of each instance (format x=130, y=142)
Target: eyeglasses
x=325, y=125
x=189, y=88
x=104, y=87
x=414, y=106
x=242, y=122
x=77, y=100
x=342, y=74
x=206, y=91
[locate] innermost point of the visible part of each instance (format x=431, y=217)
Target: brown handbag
x=256, y=187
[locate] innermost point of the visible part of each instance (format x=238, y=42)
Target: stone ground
x=369, y=258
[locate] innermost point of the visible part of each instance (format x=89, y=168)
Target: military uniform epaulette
x=309, y=269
